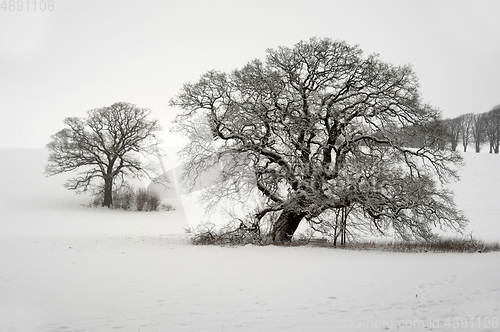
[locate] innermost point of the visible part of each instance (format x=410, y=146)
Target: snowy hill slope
x=478, y=194
x=66, y=267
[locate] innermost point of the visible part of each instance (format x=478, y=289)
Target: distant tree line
x=475, y=129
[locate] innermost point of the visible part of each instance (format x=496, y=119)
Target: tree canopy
x=317, y=129
x=104, y=146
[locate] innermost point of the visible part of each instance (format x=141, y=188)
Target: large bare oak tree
x=104, y=146
x=320, y=128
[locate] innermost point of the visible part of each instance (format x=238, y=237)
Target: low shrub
x=147, y=200
x=207, y=234
x=153, y=201
x=123, y=199
x=127, y=199
x=141, y=199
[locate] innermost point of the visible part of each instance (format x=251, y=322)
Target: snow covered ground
x=66, y=267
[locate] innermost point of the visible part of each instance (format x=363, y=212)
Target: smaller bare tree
x=493, y=129
x=478, y=131
x=467, y=121
x=453, y=128
x=106, y=145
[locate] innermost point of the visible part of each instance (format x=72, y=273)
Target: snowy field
x=66, y=267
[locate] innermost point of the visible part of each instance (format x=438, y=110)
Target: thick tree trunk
x=454, y=145
x=108, y=192
x=286, y=225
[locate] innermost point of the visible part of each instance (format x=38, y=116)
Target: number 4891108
x=27, y=5
x=471, y=322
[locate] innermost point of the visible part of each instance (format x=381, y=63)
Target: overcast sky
x=86, y=54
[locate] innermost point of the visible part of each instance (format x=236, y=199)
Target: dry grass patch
x=436, y=245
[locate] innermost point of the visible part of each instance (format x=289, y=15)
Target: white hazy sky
x=86, y=54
